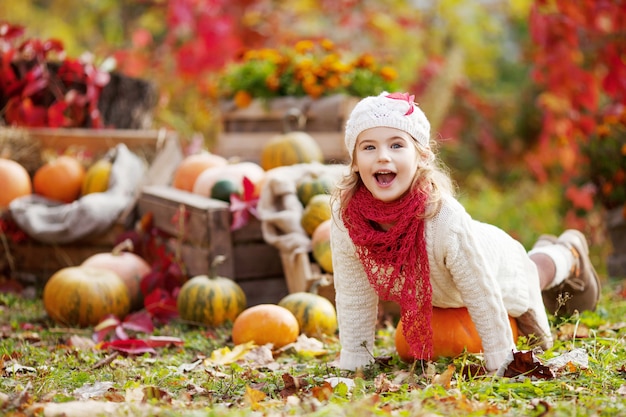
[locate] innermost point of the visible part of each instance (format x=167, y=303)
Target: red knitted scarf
x=395, y=260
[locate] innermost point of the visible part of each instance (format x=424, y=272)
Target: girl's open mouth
x=384, y=177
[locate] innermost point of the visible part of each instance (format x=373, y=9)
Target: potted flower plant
x=310, y=87
x=308, y=69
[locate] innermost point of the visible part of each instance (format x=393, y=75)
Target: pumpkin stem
x=218, y=260
x=125, y=245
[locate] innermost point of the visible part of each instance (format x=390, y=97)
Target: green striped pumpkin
x=309, y=187
x=315, y=213
x=82, y=296
x=210, y=300
x=290, y=149
x=316, y=315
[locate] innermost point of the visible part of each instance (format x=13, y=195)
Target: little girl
x=398, y=234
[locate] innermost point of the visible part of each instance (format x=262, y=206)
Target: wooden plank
x=40, y=261
x=198, y=259
x=100, y=140
x=268, y=290
x=251, y=232
x=255, y=260
x=197, y=219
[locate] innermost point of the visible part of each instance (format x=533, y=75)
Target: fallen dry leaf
x=526, y=364
x=445, y=378
x=383, y=384
x=253, y=397
x=571, y=331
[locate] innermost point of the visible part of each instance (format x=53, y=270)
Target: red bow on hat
x=406, y=97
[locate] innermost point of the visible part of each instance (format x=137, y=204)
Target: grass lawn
x=48, y=370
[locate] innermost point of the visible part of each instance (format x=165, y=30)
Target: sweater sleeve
x=356, y=301
x=473, y=275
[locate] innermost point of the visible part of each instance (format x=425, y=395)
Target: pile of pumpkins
x=214, y=301
x=109, y=284
x=214, y=176
x=64, y=179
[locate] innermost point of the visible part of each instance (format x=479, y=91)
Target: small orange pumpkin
x=453, y=333
x=129, y=266
x=266, y=323
x=60, y=179
x=15, y=181
x=193, y=165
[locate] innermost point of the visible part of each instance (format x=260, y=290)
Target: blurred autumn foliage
x=579, y=65
x=510, y=85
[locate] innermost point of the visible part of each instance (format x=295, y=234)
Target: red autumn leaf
x=130, y=346
x=161, y=305
x=580, y=197
x=137, y=322
x=243, y=207
x=56, y=114
x=163, y=341
x=166, y=273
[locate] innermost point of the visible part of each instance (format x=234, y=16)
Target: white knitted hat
x=395, y=110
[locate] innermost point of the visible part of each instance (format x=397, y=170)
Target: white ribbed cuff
x=351, y=360
x=562, y=258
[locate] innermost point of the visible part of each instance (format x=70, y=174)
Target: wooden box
x=199, y=226
x=205, y=233
x=245, y=131
x=36, y=261
x=302, y=274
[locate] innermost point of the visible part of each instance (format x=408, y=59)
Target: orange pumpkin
x=129, y=266
x=15, y=182
x=193, y=165
x=453, y=333
x=266, y=323
x=60, y=179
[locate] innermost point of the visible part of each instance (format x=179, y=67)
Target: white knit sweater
x=472, y=264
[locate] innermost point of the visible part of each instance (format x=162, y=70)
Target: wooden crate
x=34, y=260
x=199, y=226
x=250, y=261
x=302, y=274
x=246, y=131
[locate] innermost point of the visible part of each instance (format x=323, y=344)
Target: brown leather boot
x=581, y=290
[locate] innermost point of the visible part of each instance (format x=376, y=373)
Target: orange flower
x=273, y=82
x=310, y=67
x=242, y=99
x=332, y=82
x=366, y=61
x=388, y=73
x=327, y=44
x=302, y=47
